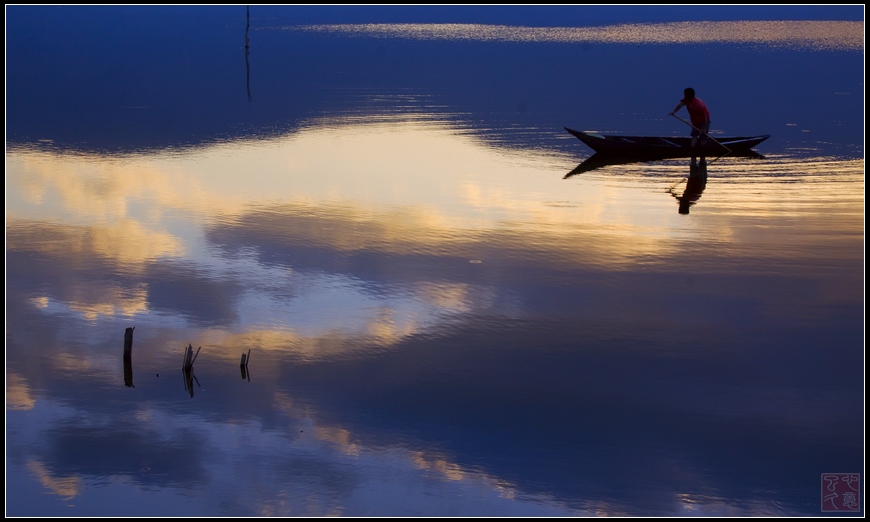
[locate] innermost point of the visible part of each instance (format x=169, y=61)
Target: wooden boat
x=666, y=148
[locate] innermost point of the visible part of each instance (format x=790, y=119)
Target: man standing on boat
x=700, y=117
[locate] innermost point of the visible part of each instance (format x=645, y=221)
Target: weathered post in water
x=244, y=365
x=128, y=341
x=128, y=372
x=128, y=357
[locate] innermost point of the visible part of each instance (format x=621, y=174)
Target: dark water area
x=382, y=209
x=128, y=73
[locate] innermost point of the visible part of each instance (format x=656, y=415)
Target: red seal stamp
x=841, y=492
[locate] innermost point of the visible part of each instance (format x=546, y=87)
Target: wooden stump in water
x=128, y=357
x=244, y=366
x=128, y=371
x=128, y=341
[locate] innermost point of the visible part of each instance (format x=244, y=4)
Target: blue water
x=373, y=201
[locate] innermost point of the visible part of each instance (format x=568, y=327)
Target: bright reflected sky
x=817, y=35
x=396, y=188
x=412, y=177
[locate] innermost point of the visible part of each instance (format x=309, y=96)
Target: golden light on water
x=397, y=187
x=18, y=395
x=126, y=241
x=66, y=487
x=815, y=35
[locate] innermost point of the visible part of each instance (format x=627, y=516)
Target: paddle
x=704, y=133
x=671, y=190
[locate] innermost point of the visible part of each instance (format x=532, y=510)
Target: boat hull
x=666, y=147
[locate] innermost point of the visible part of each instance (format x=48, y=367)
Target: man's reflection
x=694, y=186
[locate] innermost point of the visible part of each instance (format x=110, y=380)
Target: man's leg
x=704, y=142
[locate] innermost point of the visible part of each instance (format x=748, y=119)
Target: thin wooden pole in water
x=189, y=357
x=248, y=50
x=128, y=357
x=187, y=368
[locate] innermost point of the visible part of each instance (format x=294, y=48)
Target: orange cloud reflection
x=816, y=35
x=64, y=487
x=18, y=395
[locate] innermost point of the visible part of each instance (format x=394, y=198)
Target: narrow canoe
x=666, y=147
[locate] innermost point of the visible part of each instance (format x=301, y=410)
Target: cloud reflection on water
x=298, y=225
x=815, y=35
x=379, y=345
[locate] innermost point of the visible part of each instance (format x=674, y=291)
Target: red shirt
x=698, y=112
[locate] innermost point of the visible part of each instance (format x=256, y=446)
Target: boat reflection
x=600, y=160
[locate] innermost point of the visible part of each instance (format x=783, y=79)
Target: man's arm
x=678, y=107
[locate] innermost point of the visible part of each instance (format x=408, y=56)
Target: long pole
x=702, y=132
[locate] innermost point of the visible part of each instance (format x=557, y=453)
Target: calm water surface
x=440, y=322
